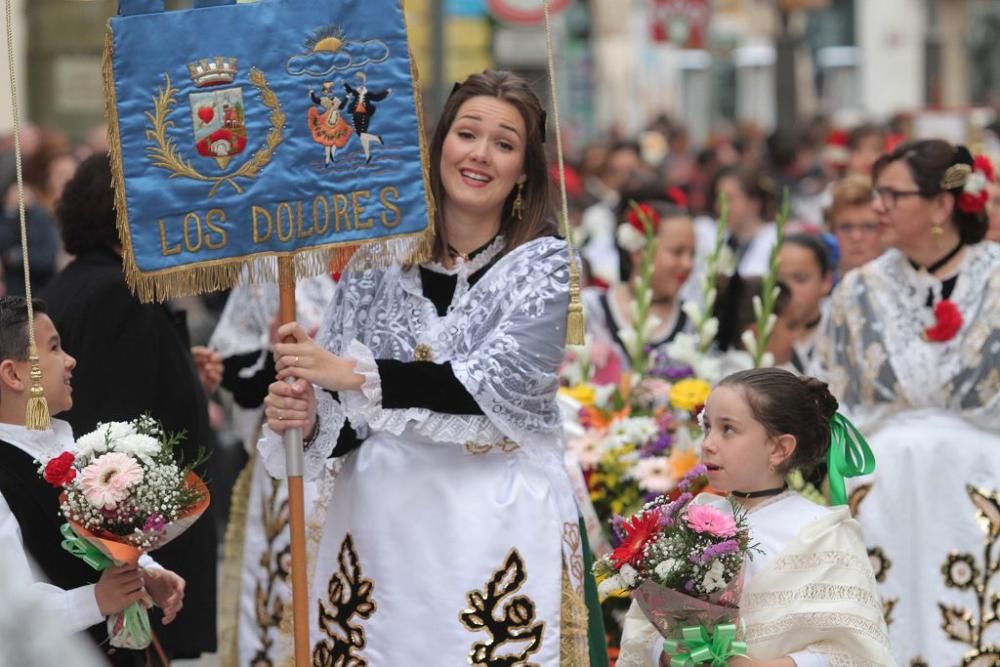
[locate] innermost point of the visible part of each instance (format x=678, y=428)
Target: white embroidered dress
x=447, y=535
x=259, y=589
x=931, y=412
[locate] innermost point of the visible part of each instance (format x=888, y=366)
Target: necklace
x=933, y=268
x=763, y=493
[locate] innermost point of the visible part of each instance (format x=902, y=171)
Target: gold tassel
x=37, y=417
x=574, y=319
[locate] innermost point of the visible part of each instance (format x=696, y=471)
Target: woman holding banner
x=452, y=535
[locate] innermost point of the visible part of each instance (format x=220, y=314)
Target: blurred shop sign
x=524, y=11
x=683, y=23
x=520, y=46
x=465, y=7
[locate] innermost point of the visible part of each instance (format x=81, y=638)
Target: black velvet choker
x=747, y=495
x=938, y=264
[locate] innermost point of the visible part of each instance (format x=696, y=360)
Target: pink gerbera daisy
x=108, y=478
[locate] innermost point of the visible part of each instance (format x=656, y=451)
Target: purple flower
x=155, y=523
x=673, y=372
x=693, y=474
x=717, y=550
x=689, y=586
x=658, y=446
x=617, y=530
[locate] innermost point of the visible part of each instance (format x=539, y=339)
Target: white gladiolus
x=758, y=307
x=628, y=337
x=767, y=360
x=749, y=341
x=684, y=348
x=772, y=319
x=709, y=330
x=652, y=322
x=710, y=297
x=692, y=310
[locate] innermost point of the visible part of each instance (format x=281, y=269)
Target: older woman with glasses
x=912, y=351
x=851, y=218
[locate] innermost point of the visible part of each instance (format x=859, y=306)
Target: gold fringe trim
x=37, y=416
x=573, y=648
x=222, y=274
x=231, y=584
x=575, y=326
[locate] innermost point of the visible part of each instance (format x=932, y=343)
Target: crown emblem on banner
x=212, y=71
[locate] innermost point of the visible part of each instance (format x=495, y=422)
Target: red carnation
x=639, y=531
x=60, y=471
x=984, y=165
x=648, y=213
x=947, y=322
x=678, y=197
x=973, y=203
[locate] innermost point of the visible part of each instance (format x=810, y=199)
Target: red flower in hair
x=677, y=196
x=984, y=165
x=648, y=213
x=968, y=203
x=60, y=471
x=947, y=322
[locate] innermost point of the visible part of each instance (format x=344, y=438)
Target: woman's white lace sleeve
x=330, y=418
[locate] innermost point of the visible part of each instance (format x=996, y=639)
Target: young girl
x=609, y=312
x=804, y=265
x=809, y=598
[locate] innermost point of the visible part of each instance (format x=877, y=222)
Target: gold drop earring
x=518, y=207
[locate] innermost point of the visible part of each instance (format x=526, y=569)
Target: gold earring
x=518, y=208
x=770, y=468
x=937, y=231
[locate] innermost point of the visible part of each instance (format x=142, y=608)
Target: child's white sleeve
x=75, y=609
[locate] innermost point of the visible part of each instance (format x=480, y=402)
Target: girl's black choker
x=931, y=269
x=747, y=495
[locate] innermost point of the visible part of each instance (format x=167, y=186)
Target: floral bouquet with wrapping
x=123, y=494
x=682, y=560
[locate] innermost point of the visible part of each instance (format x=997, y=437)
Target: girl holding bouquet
x=452, y=535
x=809, y=595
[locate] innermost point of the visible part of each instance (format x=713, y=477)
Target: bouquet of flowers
x=682, y=560
x=123, y=494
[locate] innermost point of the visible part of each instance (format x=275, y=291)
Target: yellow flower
x=689, y=394
x=584, y=394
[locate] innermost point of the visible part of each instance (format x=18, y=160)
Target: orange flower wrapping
x=122, y=552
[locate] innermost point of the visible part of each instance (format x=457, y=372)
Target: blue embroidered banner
x=241, y=131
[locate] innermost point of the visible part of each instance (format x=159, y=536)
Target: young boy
x=29, y=507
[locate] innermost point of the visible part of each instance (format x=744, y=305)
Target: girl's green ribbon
x=849, y=456
x=699, y=646
x=128, y=628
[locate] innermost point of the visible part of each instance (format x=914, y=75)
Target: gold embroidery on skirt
x=571, y=536
x=232, y=569
x=515, y=628
x=423, y=352
x=349, y=594
x=573, y=648
x=962, y=572
x=507, y=446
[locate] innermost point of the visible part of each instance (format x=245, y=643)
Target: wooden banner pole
x=296, y=500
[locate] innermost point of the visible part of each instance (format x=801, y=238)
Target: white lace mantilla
x=873, y=354
x=504, y=337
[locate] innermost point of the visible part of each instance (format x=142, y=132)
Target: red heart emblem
x=206, y=114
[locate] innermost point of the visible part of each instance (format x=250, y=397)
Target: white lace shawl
x=872, y=354
x=818, y=594
x=504, y=336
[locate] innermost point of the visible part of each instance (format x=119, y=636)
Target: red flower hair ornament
x=974, y=189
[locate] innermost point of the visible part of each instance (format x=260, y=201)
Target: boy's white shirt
x=77, y=608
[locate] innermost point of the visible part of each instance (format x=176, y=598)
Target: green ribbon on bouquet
x=849, y=456
x=699, y=646
x=128, y=628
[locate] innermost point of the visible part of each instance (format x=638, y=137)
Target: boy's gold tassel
x=37, y=418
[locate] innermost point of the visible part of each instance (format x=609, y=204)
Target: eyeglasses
x=865, y=228
x=889, y=197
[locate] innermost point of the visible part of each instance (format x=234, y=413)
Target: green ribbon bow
x=699, y=646
x=128, y=628
x=849, y=456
